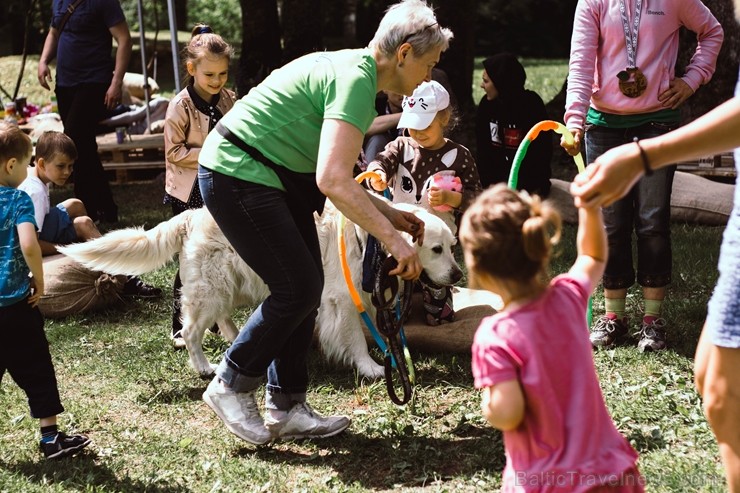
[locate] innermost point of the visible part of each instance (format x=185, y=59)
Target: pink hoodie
x=598, y=53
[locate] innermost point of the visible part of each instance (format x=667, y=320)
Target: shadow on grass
x=84, y=473
x=401, y=461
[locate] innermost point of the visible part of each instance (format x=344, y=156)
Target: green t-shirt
x=282, y=117
x=667, y=116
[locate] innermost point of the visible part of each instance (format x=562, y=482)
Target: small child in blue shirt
x=25, y=350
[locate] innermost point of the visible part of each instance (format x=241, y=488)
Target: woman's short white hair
x=413, y=22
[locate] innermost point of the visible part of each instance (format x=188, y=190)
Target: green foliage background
x=224, y=16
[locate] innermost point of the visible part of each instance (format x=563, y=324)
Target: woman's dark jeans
x=281, y=245
x=647, y=208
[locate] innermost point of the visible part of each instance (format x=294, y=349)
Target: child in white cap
x=431, y=171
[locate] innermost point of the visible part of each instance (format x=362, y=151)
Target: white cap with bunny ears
x=420, y=108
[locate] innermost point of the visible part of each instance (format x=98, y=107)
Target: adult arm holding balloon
x=614, y=173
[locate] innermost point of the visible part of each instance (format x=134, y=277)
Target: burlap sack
x=701, y=201
x=562, y=200
x=71, y=288
x=694, y=200
x=132, y=91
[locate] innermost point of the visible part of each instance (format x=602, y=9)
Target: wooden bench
x=721, y=166
x=137, y=152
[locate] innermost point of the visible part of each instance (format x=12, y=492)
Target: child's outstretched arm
x=591, y=243
x=503, y=405
x=32, y=254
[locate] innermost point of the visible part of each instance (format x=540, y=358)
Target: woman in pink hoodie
x=617, y=94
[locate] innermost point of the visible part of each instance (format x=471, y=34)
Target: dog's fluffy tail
x=134, y=251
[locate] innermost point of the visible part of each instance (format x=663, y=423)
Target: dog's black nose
x=456, y=275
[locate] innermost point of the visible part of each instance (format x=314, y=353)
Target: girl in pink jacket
x=621, y=88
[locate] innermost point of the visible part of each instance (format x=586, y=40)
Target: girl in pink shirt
x=533, y=360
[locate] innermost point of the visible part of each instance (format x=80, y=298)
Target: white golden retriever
x=215, y=280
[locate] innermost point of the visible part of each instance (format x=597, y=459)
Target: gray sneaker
x=652, y=336
x=303, y=422
x=607, y=331
x=238, y=411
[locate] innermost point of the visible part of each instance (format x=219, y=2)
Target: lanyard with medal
x=632, y=81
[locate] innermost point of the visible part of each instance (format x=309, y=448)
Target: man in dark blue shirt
x=88, y=81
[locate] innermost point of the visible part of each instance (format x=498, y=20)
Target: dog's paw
x=208, y=373
x=371, y=370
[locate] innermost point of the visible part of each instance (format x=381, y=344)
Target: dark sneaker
x=303, y=422
x=652, y=336
x=608, y=331
x=64, y=445
x=135, y=287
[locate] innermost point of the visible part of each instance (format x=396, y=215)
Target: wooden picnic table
x=136, y=152
x=719, y=166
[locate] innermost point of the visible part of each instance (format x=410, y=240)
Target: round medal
x=632, y=82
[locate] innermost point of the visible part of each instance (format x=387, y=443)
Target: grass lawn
x=124, y=386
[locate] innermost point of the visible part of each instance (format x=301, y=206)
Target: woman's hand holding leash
x=409, y=265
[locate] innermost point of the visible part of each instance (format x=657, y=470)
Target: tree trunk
x=301, y=21
x=722, y=85
x=458, y=60
x=349, y=23
x=181, y=15
x=261, y=52
x=368, y=18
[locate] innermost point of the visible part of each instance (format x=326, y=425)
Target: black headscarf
x=506, y=73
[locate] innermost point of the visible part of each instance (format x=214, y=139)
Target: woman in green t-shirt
x=290, y=142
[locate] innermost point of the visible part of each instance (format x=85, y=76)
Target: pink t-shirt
x=567, y=441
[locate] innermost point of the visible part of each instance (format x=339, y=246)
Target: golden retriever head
x=435, y=254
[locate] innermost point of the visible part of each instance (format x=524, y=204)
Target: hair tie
x=203, y=30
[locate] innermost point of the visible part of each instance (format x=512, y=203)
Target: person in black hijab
x=505, y=114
